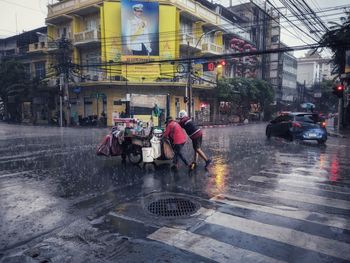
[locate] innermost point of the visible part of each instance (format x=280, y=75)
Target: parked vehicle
x=298, y=126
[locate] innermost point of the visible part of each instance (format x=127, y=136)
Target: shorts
x=197, y=143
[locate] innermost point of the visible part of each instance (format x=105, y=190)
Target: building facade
x=313, y=69
x=289, y=78
x=262, y=22
x=126, y=55
x=30, y=49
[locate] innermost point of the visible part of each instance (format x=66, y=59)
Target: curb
x=333, y=134
x=222, y=125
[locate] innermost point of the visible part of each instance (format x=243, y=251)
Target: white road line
x=298, y=183
x=15, y=174
x=289, y=212
x=207, y=247
x=309, y=198
x=297, y=176
x=305, y=198
x=285, y=235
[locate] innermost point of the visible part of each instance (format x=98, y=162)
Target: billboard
x=140, y=28
x=347, y=61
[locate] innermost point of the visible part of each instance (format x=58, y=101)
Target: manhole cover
x=173, y=207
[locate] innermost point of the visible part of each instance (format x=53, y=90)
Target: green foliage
x=243, y=92
x=12, y=78
x=338, y=40
x=328, y=101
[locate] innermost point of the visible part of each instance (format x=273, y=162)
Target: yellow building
x=114, y=77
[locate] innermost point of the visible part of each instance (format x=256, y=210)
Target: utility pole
x=189, y=82
x=64, y=68
x=61, y=99
x=340, y=113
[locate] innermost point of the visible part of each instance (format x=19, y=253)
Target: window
x=26, y=70
x=311, y=118
x=40, y=70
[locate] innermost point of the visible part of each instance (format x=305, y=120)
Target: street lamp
x=189, y=67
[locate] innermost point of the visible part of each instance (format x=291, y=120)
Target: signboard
x=347, y=61
x=210, y=66
x=140, y=37
x=140, y=31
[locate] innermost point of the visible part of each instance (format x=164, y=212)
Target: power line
x=23, y=6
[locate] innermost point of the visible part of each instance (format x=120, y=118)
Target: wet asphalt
x=59, y=202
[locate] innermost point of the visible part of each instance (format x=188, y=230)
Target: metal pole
x=339, y=113
x=189, y=85
x=61, y=100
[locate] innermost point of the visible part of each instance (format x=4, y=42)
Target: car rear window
x=307, y=118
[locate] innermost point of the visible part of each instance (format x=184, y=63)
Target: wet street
x=260, y=201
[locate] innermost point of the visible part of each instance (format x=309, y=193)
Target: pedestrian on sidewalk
x=177, y=137
x=196, y=135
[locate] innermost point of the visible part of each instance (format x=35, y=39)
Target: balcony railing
x=37, y=47
x=192, y=41
x=87, y=36
x=210, y=16
x=69, y=6
x=212, y=48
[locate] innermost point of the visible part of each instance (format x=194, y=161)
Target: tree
x=338, y=40
x=13, y=84
x=327, y=101
x=242, y=93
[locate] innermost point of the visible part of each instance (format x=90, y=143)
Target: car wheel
x=321, y=142
x=268, y=133
x=135, y=154
x=290, y=137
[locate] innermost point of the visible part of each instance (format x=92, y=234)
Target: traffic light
x=209, y=66
x=185, y=99
x=338, y=90
x=221, y=64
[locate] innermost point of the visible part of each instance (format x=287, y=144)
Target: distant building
x=313, y=69
x=263, y=24
x=30, y=49
x=289, y=77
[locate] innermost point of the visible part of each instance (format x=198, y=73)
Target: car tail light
x=296, y=124
x=323, y=124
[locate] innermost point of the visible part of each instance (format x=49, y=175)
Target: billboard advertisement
x=347, y=61
x=140, y=28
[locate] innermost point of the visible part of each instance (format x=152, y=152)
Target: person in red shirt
x=196, y=136
x=174, y=132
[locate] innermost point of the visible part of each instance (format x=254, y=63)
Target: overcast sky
x=17, y=16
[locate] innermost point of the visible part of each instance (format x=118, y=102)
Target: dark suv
x=298, y=125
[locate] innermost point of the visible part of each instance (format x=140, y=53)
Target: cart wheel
x=135, y=154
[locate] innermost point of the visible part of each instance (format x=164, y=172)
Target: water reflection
x=334, y=177
x=218, y=177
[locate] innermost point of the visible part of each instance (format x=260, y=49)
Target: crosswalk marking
x=311, y=185
x=305, y=198
x=281, y=234
x=287, y=212
x=207, y=247
x=309, y=198
x=307, y=178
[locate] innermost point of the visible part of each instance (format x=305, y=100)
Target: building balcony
x=211, y=48
x=38, y=47
x=190, y=41
x=62, y=11
x=53, y=43
x=195, y=9
x=87, y=37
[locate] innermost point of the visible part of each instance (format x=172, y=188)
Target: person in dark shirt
x=196, y=135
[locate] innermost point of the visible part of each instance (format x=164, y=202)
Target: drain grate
x=173, y=207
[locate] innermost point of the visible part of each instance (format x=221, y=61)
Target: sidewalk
x=345, y=133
